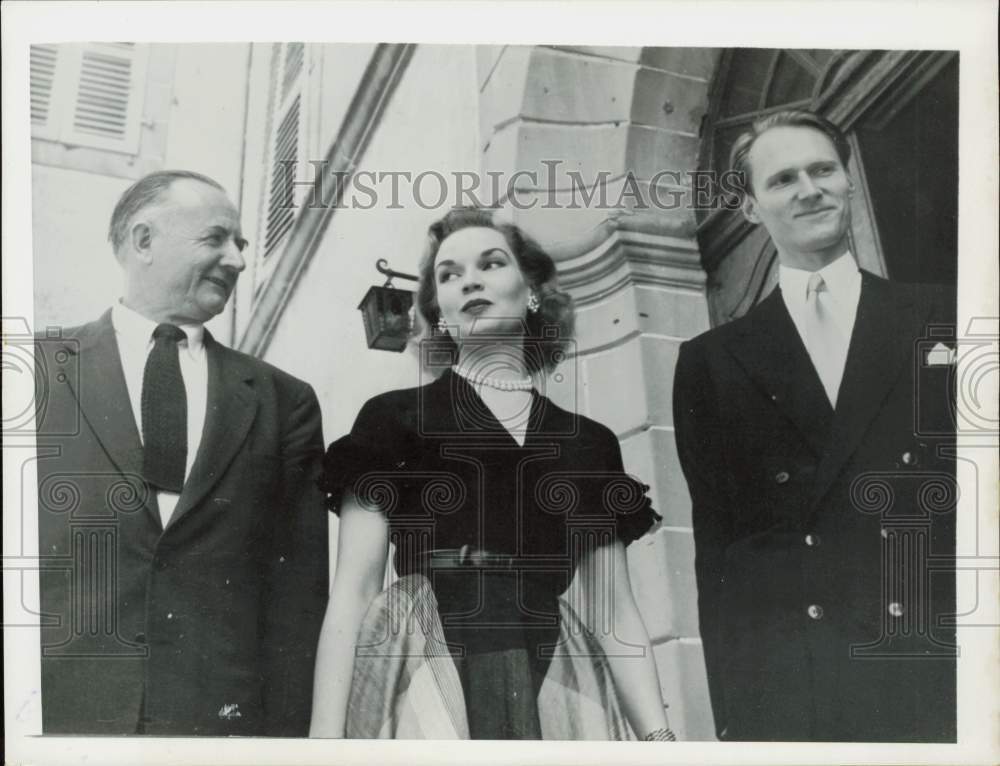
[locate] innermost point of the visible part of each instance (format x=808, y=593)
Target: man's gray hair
x=144, y=192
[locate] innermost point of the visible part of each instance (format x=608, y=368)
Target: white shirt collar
x=137, y=330
x=841, y=276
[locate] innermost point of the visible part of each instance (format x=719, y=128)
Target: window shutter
x=89, y=94
x=286, y=145
x=42, y=74
x=107, y=109
x=286, y=149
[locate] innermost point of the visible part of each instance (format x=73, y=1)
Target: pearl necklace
x=501, y=384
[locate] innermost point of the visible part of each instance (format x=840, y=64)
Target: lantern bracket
x=382, y=266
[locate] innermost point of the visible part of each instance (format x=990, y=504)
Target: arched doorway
x=900, y=110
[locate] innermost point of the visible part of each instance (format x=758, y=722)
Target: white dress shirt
x=134, y=334
x=843, y=283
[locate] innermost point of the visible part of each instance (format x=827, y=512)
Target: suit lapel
x=102, y=395
x=231, y=408
x=884, y=330
x=772, y=354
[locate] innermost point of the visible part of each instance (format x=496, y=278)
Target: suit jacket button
x=782, y=477
x=815, y=611
x=812, y=540
x=909, y=458
x=896, y=609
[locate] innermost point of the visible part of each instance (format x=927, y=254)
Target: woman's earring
x=533, y=304
x=442, y=326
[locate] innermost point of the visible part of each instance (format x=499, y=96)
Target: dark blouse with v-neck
x=447, y=474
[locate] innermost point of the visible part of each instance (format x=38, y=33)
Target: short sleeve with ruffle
x=623, y=497
x=588, y=489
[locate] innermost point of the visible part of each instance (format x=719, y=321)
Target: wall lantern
x=387, y=311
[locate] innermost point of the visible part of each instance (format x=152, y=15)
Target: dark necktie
x=164, y=412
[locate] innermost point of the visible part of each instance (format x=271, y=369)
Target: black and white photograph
x=464, y=380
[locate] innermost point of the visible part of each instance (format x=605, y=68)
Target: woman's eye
x=446, y=276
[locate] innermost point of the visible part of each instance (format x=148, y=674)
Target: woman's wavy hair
x=548, y=331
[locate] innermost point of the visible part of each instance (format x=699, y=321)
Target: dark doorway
x=910, y=157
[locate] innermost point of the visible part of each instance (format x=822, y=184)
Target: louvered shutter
x=43, y=65
x=286, y=145
x=89, y=94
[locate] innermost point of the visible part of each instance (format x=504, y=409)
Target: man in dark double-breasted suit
x=183, y=540
x=814, y=434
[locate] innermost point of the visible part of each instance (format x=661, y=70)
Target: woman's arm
x=362, y=548
x=610, y=613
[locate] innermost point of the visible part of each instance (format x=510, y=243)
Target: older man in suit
x=814, y=435
x=184, y=540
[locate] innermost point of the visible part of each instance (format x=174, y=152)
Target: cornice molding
x=627, y=257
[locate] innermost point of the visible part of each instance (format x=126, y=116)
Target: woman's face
x=480, y=287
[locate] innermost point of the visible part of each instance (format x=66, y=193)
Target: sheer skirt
x=407, y=684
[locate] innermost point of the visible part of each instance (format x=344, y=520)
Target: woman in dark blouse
x=513, y=616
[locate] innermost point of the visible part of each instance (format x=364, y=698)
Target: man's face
x=195, y=249
x=800, y=192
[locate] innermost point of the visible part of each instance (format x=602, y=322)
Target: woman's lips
x=476, y=307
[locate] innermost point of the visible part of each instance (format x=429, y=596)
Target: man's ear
x=749, y=208
x=141, y=237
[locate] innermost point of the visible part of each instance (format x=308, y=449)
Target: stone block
x=652, y=456
x=567, y=148
x=652, y=149
x=676, y=313
x=609, y=320
x=664, y=100
x=577, y=89
x=691, y=62
x=613, y=389
x=659, y=358
x=681, y=666
x=661, y=569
